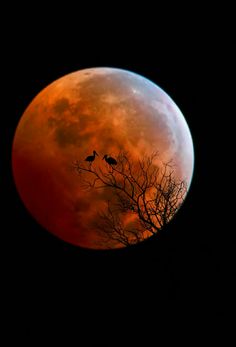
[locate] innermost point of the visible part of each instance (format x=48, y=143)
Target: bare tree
x=145, y=196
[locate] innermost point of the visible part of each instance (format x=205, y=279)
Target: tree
x=145, y=197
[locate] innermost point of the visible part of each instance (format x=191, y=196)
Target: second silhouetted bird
x=110, y=160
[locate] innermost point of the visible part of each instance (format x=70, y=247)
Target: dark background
x=189, y=268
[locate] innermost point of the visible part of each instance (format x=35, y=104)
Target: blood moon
x=104, y=109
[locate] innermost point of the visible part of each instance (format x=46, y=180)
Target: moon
x=108, y=110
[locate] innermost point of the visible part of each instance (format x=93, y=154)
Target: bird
x=110, y=160
x=91, y=158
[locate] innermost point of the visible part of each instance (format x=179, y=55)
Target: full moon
x=63, y=149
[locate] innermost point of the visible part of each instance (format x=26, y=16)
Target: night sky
x=189, y=266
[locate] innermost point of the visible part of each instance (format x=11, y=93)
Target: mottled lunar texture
x=102, y=109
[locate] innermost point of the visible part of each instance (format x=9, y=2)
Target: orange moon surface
x=102, y=109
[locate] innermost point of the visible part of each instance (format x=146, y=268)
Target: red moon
x=103, y=109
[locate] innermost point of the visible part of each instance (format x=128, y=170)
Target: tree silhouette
x=145, y=197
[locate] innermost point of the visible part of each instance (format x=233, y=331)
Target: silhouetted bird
x=110, y=160
x=91, y=158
